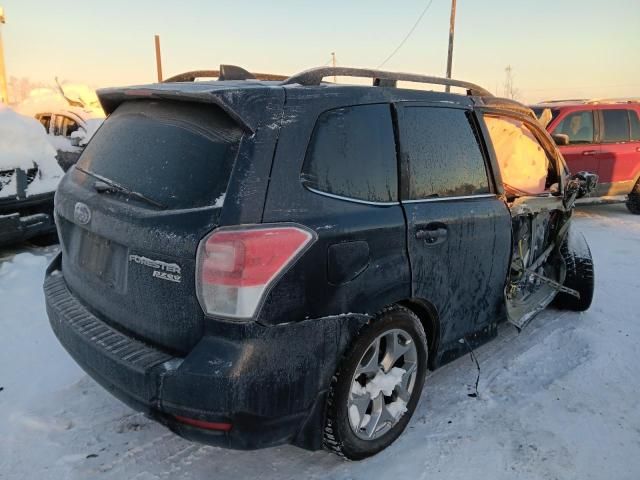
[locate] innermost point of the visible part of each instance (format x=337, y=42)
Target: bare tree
x=19, y=88
x=510, y=91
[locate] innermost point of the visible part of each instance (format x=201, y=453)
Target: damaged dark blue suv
x=258, y=261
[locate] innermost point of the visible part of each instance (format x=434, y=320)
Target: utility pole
x=4, y=95
x=452, y=27
x=333, y=64
x=510, y=90
x=158, y=58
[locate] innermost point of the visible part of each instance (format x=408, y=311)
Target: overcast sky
x=557, y=48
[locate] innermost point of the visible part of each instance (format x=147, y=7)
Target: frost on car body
x=288, y=203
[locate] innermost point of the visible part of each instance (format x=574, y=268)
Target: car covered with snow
x=255, y=262
x=70, y=116
x=29, y=175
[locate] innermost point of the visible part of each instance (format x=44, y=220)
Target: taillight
x=237, y=266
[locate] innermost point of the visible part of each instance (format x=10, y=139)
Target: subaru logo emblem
x=81, y=213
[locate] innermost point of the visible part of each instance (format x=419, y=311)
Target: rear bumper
x=269, y=386
x=26, y=218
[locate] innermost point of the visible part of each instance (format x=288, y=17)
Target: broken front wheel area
x=378, y=385
x=579, y=273
x=539, y=264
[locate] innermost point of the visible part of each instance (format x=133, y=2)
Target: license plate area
x=101, y=258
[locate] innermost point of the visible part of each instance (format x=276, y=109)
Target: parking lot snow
x=558, y=400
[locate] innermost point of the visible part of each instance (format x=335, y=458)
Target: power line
x=415, y=25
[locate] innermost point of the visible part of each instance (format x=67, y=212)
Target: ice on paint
x=219, y=201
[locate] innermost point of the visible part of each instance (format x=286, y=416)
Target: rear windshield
x=178, y=154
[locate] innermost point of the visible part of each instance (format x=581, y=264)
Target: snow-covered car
x=29, y=176
x=70, y=116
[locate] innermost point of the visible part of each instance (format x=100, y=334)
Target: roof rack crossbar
x=314, y=76
x=226, y=72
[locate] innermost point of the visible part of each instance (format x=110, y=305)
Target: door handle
x=589, y=152
x=432, y=235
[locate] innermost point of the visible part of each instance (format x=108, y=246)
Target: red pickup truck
x=599, y=136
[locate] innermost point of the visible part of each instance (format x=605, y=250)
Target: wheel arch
x=428, y=315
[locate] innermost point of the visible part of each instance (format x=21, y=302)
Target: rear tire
x=352, y=395
x=633, y=200
x=580, y=274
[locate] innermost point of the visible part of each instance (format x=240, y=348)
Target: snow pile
x=62, y=144
x=49, y=100
x=23, y=145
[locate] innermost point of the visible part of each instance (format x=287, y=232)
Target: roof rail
x=576, y=100
x=314, y=76
x=614, y=100
x=594, y=101
x=226, y=72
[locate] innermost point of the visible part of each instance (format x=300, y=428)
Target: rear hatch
x=148, y=187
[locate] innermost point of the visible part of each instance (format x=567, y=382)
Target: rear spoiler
x=111, y=98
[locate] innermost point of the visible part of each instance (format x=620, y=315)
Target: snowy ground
x=560, y=400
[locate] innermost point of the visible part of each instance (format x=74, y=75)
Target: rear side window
x=578, y=126
x=442, y=153
x=635, y=125
x=352, y=154
x=178, y=154
x=615, y=126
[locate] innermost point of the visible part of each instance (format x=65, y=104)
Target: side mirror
x=588, y=182
x=561, y=139
x=578, y=186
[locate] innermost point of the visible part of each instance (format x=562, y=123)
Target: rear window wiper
x=105, y=185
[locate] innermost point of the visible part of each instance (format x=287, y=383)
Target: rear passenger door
x=619, y=152
x=458, y=230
